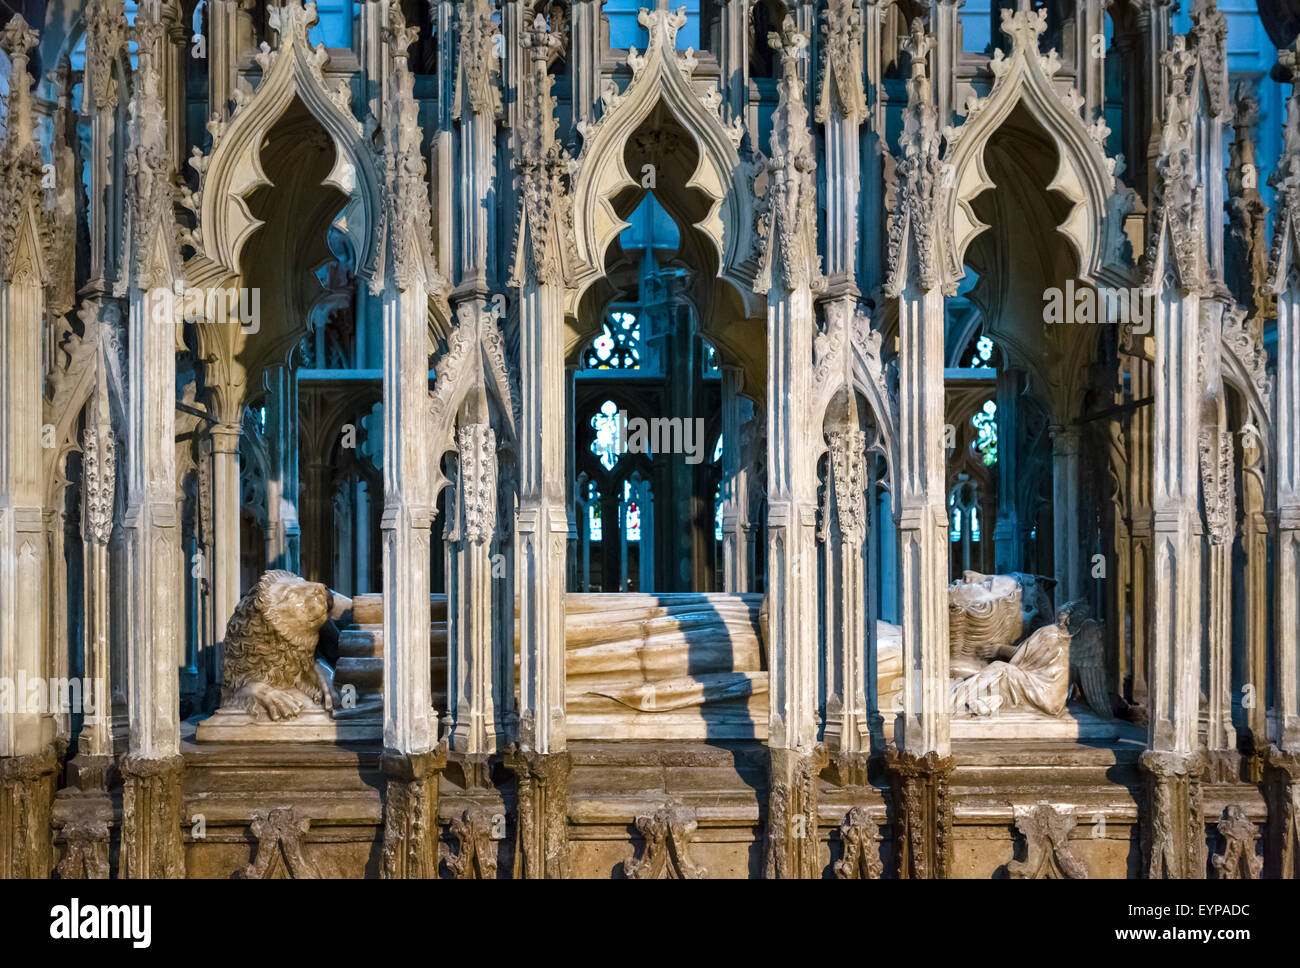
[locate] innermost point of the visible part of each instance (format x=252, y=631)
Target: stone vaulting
x=589, y=438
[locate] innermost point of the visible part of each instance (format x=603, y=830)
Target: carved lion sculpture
x=989, y=614
x=270, y=667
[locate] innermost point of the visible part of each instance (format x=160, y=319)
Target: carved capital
x=151, y=817
x=922, y=813
x=542, y=826
x=793, y=839
x=411, y=814
x=1173, y=831
x=26, y=791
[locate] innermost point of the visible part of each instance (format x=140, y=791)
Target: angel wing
x=1088, y=667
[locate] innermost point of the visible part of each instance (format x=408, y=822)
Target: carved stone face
x=1035, y=600
x=297, y=608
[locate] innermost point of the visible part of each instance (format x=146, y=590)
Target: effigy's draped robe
x=1036, y=677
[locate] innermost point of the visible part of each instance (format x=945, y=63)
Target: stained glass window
x=631, y=516
x=593, y=513
x=711, y=367
x=982, y=355
x=985, y=423
x=618, y=347
x=606, y=446
x=717, y=450
x=954, y=519
x=717, y=508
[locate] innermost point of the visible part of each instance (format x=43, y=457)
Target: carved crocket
x=270, y=666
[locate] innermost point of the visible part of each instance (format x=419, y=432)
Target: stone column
x=474, y=691
x=28, y=755
x=850, y=641
x=173, y=50
x=1090, y=22
x=225, y=41
x=735, y=487
x=1007, y=548
x=476, y=105
x=1217, y=462
x=733, y=59
x=920, y=761
x=1066, y=550
x=225, y=530
x=152, y=767
x=542, y=525
x=540, y=759
x=792, y=478
x=945, y=26
x=83, y=811
x=105, y=36
x=1282, y=774
x=1174, y=761
x=1140, y=467
x=412, y=759
x=844, y=526
x=587, y=47
x=1173, y=841
x=1154, y=22
x=282, y=544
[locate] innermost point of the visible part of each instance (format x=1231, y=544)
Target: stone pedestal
x=411, y=813
x=542, y=823
x=26, y=790
x=922, y=813
x=82, y=817
x=793, y=845
x=151, y=817
x=1282, y=794
x=1173, y=825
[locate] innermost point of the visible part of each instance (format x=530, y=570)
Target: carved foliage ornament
x=20, y=157
x=1209, y=34
x=841, y=70
x=105, y=40
x=545, y=168
x=1178, y=203
x=279, y=832
x=911, y=229
x=406, y=217
x=100, y=456
x=792, y=190
x=1238, y=860
x=478, y=65
x=478, y=481
x=848, y=472
x=667, y=834
x=1047, y=839
x=1286, y=179
x=476, y=856
x=155, y=241
x=861, y=838
x=1217, y=486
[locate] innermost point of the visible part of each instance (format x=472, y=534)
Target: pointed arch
x=663, y=76
x=233, y=169
x=1085, y=175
